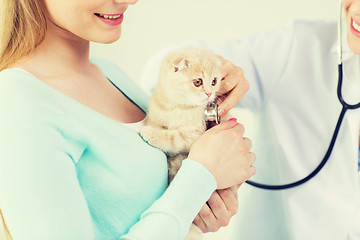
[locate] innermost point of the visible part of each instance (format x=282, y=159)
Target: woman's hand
x=232, y=88
x=222, y=205
x=225, y=153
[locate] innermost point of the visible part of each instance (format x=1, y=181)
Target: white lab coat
x=293, y=80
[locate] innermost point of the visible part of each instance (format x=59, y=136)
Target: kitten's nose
x=208, y=94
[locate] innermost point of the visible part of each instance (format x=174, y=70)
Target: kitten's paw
x=153, y=137
x=148, y=134
x=168, y=141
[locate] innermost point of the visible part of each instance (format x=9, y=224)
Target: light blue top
x=68, y=172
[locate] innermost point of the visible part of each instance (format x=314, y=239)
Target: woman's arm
x=171, y=215
x=40, y=195
x=227, y=160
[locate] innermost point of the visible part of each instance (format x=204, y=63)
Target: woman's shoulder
x=19, y=105
x=16, y=83
x=22, y=91
x=12, y=76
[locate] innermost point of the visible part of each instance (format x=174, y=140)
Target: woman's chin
x=106, y=39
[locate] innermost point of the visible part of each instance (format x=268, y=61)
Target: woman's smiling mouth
x=111, y=19
x=111, y=16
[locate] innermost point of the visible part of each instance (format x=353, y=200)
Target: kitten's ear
x=183, y=64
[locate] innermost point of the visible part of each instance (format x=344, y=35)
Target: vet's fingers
x=233, y=86
x=209, y=219
x=230, y=76
x=233, y=98
x=217, y=206
x=230, y=200
x=199, y=222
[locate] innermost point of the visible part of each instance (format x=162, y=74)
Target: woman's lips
x=111, y=19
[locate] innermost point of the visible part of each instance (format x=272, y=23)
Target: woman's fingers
x=247, y=143
x=252, y=158
x=225, y=153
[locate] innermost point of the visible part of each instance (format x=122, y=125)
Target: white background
x=151, y=25
x=154, y=24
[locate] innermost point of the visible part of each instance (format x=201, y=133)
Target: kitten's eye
x=214, y=81
x=198, y=82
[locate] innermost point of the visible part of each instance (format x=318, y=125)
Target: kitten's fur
x=175, y=116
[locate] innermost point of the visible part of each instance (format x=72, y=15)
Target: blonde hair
x=6, y=233
x=22, y=29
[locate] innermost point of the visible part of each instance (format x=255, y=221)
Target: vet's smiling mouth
x=355, y=25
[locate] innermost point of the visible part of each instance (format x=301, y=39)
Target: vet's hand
x=222, y=205
x=232, y=88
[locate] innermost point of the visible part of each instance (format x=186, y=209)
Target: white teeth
x=356, y=26
x=109, y=16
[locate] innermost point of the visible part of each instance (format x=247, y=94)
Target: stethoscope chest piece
x=211, y=115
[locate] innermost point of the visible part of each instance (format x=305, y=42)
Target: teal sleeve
x=170, y=216
x=40, y=196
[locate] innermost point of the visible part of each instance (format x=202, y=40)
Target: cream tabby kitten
x=189, y=79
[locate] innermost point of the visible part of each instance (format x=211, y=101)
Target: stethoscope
x=211, y=118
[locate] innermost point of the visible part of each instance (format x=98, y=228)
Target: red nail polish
x=233, y=119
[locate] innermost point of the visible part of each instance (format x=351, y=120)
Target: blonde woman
x=73, y=165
